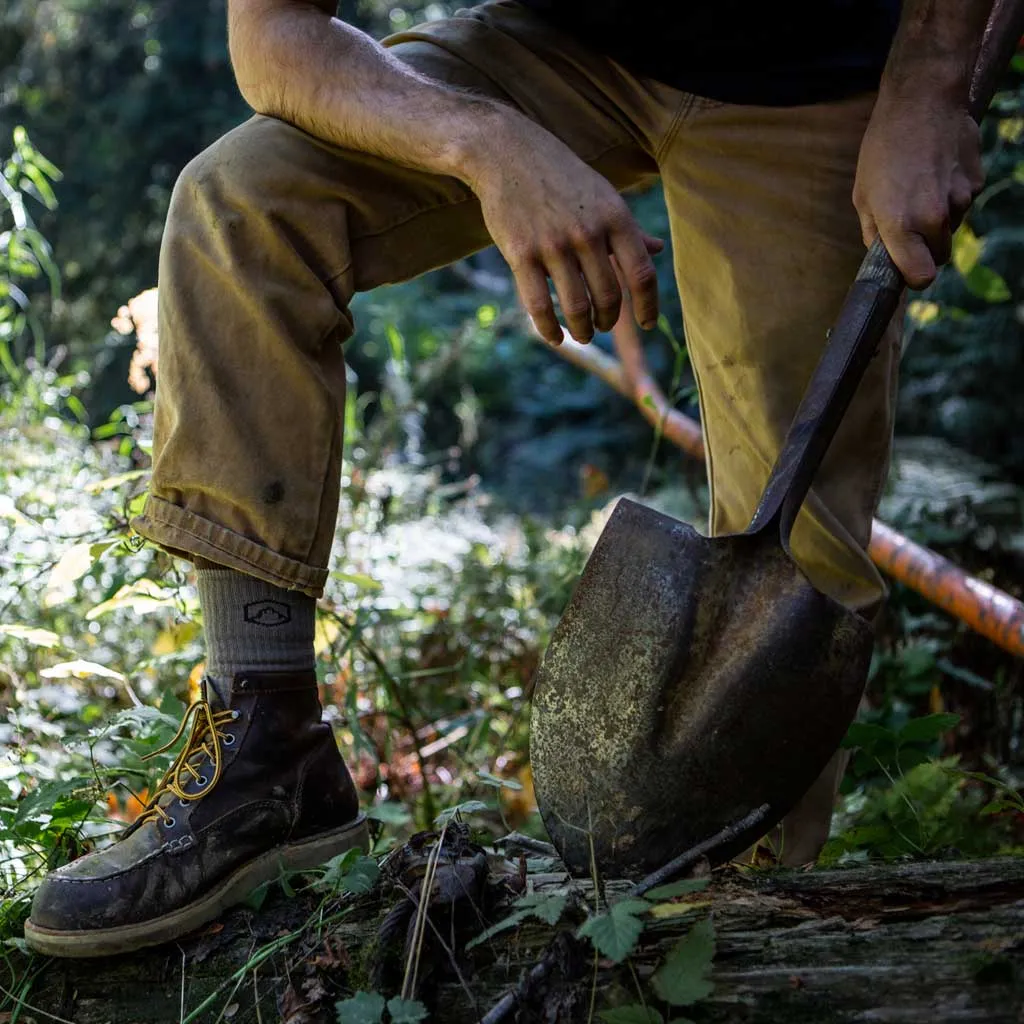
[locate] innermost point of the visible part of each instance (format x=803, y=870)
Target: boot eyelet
x=228, y=739
x=170, y=823
x=202, y=780
x=182, y=804
x=236, y=715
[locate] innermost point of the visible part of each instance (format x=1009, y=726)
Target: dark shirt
x=739, y=51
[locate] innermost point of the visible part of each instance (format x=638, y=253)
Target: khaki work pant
x=271, y=231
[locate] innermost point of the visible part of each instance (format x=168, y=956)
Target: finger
x=641, y=279
x=536, y=300
x=868, y=229
x=912, y=254
x=605, y=293
x=564, y=271
x=960, y=196
x=970, y=160
x=652, y=244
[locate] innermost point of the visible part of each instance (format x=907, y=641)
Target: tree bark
x=928, y=942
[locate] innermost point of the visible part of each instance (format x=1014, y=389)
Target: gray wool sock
x=250, y=624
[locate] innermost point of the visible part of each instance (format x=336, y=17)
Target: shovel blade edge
x=689, y=681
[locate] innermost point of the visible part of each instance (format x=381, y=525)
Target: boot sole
x=125, y=939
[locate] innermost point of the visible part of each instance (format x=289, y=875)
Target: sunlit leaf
x=72, y=565
x=79, y=669
x=142, y=596
x=662, y=911
x=110, y=482
x=32, y=635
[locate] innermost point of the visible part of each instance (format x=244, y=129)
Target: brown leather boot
x=259, y=786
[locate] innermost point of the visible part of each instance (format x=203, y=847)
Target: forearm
x=935, y=49
x=293, y=61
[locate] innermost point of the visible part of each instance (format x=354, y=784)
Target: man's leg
x=766, y=244
x=269, y=235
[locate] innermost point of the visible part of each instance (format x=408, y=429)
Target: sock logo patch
x=267, y=613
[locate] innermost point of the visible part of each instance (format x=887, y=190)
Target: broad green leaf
x=685, y=976
x=79, y=669
x=986, y=284
x=141, y=597
x=615, y=932
x=390, y=813
x=451, y=813
x=72, y=565
x=673, y=889
x=406, y=1011
x=634, y=1014
x=927, y=728
x=32, y=635
x=362, y=1008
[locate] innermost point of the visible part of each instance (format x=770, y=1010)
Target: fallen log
x=929, y=942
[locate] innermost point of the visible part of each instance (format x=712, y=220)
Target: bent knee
x=242, y=169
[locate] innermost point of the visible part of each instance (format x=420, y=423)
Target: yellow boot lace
x=204, y=744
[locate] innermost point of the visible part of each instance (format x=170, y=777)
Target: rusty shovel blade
x=734, y=683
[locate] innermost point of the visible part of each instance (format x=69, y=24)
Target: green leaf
x=546, y=907
x=911, y=757
x=359, y=580
x=986, y=284
x=615, y=932
x=350, y=872
x=362, y=1008
x=871, y=738
x=673, y=889
x=927, y=728
x=685, y=976
x=391, y=812
x=406, y=1011
x=451, y=813
x=498, y=782
x=634, y=1014
x=966, y=249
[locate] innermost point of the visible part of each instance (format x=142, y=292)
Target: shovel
x=695, y=687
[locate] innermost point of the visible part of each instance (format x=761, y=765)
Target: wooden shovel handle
x=866, y=313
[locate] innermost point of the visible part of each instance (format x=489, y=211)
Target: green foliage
x=634, y=1014
x=25, y=256
x=685, y=976
x=546, y=907
x=368, y=1008
x=362, y=1008
x=615, y=932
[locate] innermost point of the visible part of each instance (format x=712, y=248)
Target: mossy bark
x=928, y=942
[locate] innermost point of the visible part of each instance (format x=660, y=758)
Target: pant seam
x=686, y=103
